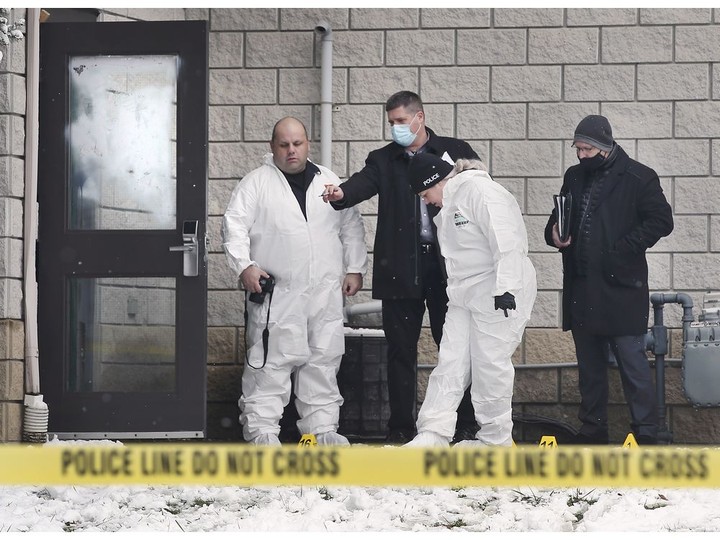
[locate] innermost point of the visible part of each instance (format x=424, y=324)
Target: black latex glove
x=505, y=302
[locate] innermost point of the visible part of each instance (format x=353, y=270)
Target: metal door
x=122, y=273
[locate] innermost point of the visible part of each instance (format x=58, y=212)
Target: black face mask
x=592, y=163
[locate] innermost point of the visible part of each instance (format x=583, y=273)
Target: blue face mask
x=403, y=133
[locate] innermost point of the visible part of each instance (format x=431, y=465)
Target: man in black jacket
x=408, y=271
x=619, y=211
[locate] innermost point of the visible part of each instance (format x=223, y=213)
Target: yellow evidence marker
x=308, y=439
x=630, y=441
x=548, y=441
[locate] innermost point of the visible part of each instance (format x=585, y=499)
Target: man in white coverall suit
x=277, y=224
x=491, y=290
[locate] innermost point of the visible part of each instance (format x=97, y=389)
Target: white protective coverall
x=264, y=225
x=482, y=236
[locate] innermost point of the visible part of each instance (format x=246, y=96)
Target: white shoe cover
x=266, y=439
x=331, y=438
x=476, y=443
x=428, y=439
x=469, y=443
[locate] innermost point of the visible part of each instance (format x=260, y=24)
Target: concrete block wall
x=512, y=82
x=12, y=185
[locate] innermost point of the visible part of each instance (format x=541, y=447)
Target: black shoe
x=588, y=440
x=465, y=433
x=399, y=436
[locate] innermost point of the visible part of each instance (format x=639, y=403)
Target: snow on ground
x=313, y=508
x=334, y=509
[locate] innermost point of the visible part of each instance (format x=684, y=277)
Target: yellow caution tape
x=246, y=465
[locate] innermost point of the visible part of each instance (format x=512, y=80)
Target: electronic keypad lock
x=189, y=248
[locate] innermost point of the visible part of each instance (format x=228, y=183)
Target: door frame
x=139, y=253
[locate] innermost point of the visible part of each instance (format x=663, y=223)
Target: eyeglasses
x=586, y=149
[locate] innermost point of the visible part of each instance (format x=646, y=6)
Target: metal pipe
x=324, y=30
x=658, y=345
x=523, y=367
x=364, y=308
x=553, y=365
x=374, y=306
x=677, y=298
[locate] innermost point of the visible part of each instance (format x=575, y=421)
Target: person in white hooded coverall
x=491, y=290
x=276, y=223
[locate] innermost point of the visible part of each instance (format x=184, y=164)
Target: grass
x=451, y=524
x=534, y=500
x=322, y=490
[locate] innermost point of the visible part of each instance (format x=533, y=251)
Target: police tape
x=247, y=465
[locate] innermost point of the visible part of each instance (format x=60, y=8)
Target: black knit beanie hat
x=595, y=130
x=426, y=170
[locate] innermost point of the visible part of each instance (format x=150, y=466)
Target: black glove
x=505, y=302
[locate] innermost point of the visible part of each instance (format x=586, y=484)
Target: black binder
x=563, y=210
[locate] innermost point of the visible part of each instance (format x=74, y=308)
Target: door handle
x=189, y=248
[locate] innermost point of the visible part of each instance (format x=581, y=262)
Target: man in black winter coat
x=408, y=271
x=619, y=211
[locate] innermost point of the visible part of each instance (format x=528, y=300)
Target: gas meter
x=701, y=355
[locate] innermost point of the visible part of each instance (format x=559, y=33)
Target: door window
x=122, y=335
x=122, y=142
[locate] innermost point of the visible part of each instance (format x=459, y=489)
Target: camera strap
x=265, y=334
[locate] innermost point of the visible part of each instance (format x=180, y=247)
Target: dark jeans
x=402, y=322
x=637, y=382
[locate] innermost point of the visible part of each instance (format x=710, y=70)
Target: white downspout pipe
x=35, y=419
x=324, y=30
x=364, y=308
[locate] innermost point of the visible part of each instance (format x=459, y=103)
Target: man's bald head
x=283, y=121
x=290, y=145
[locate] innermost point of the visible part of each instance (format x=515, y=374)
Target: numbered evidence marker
x=630, y=441
x=548, y=441
x=308, y=439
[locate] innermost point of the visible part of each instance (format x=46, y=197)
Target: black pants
x=402, y=322
x=637, y=382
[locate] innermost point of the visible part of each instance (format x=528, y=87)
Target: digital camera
x=267, y=284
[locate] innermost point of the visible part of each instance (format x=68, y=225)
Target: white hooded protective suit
x=482, y=236
x=264, y=225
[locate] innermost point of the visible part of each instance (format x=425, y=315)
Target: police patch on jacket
x=460, y=220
